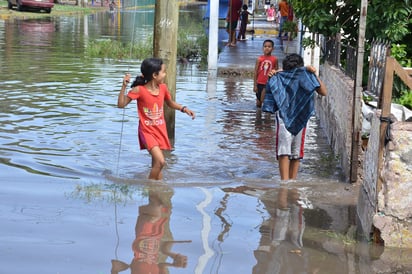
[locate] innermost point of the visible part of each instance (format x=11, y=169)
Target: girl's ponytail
x=139, y=81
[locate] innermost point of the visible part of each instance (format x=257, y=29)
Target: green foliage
x=399, y=52
x=72, y=8
x=405, y=99
x=400, y=92
x=192, y=42
x=388, y=20
x=308, y=43
x=327, y=17
x=192, y=45
x=113, y=49
x=292, y=28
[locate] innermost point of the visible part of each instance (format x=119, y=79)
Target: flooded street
x=74, y=197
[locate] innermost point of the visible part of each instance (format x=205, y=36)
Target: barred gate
x=340, y=55
x=377, y=62
x=379, y=54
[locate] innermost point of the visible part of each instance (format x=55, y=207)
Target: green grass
x=192, y=45
x=111, y=49
x=72, y=8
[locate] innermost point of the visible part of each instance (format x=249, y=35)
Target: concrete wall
x=335, y=113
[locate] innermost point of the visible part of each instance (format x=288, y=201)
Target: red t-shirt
x=234, y=10
x=265, y=65
x=152, y=124
x=283, y=8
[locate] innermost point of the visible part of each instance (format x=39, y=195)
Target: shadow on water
x=74, y=195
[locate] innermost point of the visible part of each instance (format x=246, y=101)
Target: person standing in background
x=277, y=18
x=232, y=17
x=264, y=65
x=244, y=18
x=267, y=5
x=270, y=14
x=284, y=12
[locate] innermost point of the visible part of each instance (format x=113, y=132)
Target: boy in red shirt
x=264, y=64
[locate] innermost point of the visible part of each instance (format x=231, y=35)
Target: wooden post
x=392, y=66
x=165, y=47
x=357, y=94
x=386, y=99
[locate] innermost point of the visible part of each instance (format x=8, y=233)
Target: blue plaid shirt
x=291, y=93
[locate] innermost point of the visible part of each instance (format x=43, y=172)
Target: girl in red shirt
x=150, y=92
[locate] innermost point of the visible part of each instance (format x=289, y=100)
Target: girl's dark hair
x=148, y=68
x=292, y=61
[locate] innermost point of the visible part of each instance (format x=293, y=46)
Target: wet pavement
x=241, y=60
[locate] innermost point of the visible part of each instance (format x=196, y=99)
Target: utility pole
x=357, y=94
x=213, y=38
x=165, y=47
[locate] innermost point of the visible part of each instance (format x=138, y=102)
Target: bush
x=291, y=27
x=405, y=99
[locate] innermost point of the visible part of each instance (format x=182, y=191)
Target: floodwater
x=74, y=197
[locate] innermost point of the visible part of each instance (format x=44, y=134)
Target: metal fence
x=345, y=57
x=377, y=62
x=340, y=55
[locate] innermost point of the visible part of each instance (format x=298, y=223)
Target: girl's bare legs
x=158, y=162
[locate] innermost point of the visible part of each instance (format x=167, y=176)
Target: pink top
x=271, y=12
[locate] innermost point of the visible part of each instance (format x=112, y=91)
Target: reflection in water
x=37, y=33
x=282, y=252
x=153, y=243
x=219, y=213
x=284, y=245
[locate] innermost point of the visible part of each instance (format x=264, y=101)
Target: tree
x=387, y=19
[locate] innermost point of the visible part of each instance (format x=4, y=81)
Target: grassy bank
x=192, y=44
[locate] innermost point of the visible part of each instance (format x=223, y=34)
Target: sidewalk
x=240, y=60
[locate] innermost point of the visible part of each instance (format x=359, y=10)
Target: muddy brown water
x=74, y=196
